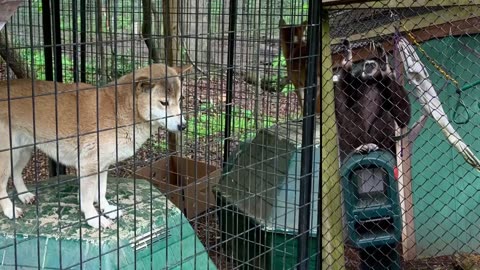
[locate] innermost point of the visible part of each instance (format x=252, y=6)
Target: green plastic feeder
x=371, y=199
x=152, y=233
x=372, y=208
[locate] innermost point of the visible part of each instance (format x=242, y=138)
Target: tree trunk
x=170, y=26
x=171, y=33
x=100, y=45
x=13, y=59
x=147, y=31
x=158, y=30
x=111, y=38
x=171, y=44
x=193, y=24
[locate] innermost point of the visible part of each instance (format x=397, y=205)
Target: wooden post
x=404, y=150
x=333, y=250
x=170, y=25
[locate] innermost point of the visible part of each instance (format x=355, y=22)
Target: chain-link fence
x=401, y=97
x=214, y=162
x=160, y=134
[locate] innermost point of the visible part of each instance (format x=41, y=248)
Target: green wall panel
x=445, y=188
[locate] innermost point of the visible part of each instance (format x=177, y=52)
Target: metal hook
x=460, y=104
x=396, y=20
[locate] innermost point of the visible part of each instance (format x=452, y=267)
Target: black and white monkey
x=367, y=103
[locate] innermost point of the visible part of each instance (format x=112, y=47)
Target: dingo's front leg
x=21, y=157
x=5, y=202
x=110, y=210
x=88, y=186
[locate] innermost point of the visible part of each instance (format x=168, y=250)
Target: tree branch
x=13, y=58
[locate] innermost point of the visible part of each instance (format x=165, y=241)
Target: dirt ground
x=450, y=262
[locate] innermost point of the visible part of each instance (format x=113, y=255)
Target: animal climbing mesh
x=412, y=203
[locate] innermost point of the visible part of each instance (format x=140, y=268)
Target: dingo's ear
x=183, y=68
x=144, y=84
x=281, y=22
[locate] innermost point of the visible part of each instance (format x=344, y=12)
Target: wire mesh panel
x=404, y=92
x=160, y=135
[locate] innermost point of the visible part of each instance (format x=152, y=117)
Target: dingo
x=295, y=51
x=82, y=127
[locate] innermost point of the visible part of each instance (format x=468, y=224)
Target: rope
x=460, y=104
x=440, y=69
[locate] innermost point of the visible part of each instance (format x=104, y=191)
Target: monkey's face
x=373, y=68
x=377, y=66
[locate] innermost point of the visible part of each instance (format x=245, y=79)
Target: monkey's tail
x=414, y=131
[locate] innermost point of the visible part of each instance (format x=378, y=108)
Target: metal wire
x=424, y=167
x=237, y=194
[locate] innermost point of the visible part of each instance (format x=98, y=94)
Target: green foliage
x=156, y=144
x=38, y=61
x=39, y=64
x=208, y=123
x=216, y=7
x=67, y=64
x=124, y=62
x=184, y=53
x=287, y=89
x=305, y=8
x=125, y=65
x=297, y=11
x=160, y=146
x=280, y=63
x=216, y=10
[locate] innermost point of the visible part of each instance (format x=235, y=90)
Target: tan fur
x=295, y=51
x=129, y=110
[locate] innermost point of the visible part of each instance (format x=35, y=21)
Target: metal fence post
x=48, y=16
x=308, y=131
x=232, y=23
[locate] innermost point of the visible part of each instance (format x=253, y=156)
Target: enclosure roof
x=348, y=22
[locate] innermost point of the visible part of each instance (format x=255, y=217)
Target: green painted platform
x=44, y=241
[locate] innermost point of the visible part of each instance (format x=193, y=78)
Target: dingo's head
x=295, y=51
x=291, y=35
x=158, y=89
